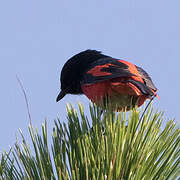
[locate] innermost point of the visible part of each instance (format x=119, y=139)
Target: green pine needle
x=104, y=146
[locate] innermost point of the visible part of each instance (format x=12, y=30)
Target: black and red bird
x=99, y=77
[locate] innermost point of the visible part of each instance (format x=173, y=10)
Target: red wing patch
x=96, y=71
x=132, y=68
x=106, y=69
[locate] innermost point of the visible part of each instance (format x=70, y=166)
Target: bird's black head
x=73, y=70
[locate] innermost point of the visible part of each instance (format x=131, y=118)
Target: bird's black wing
x=105, y=69
x=147, y=80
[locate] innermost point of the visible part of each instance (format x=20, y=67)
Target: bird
x=104, y=79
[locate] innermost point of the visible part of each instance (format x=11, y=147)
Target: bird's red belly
x=120, y=94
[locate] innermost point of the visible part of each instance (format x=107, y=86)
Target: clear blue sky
x=37, y=37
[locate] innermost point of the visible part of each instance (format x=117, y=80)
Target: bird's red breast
x=119, y=93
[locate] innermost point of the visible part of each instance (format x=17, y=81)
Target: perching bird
x=103, y=78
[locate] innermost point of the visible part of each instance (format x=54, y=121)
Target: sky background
x=37, y=38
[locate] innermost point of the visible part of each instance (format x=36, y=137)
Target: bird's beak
x=61, y=95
